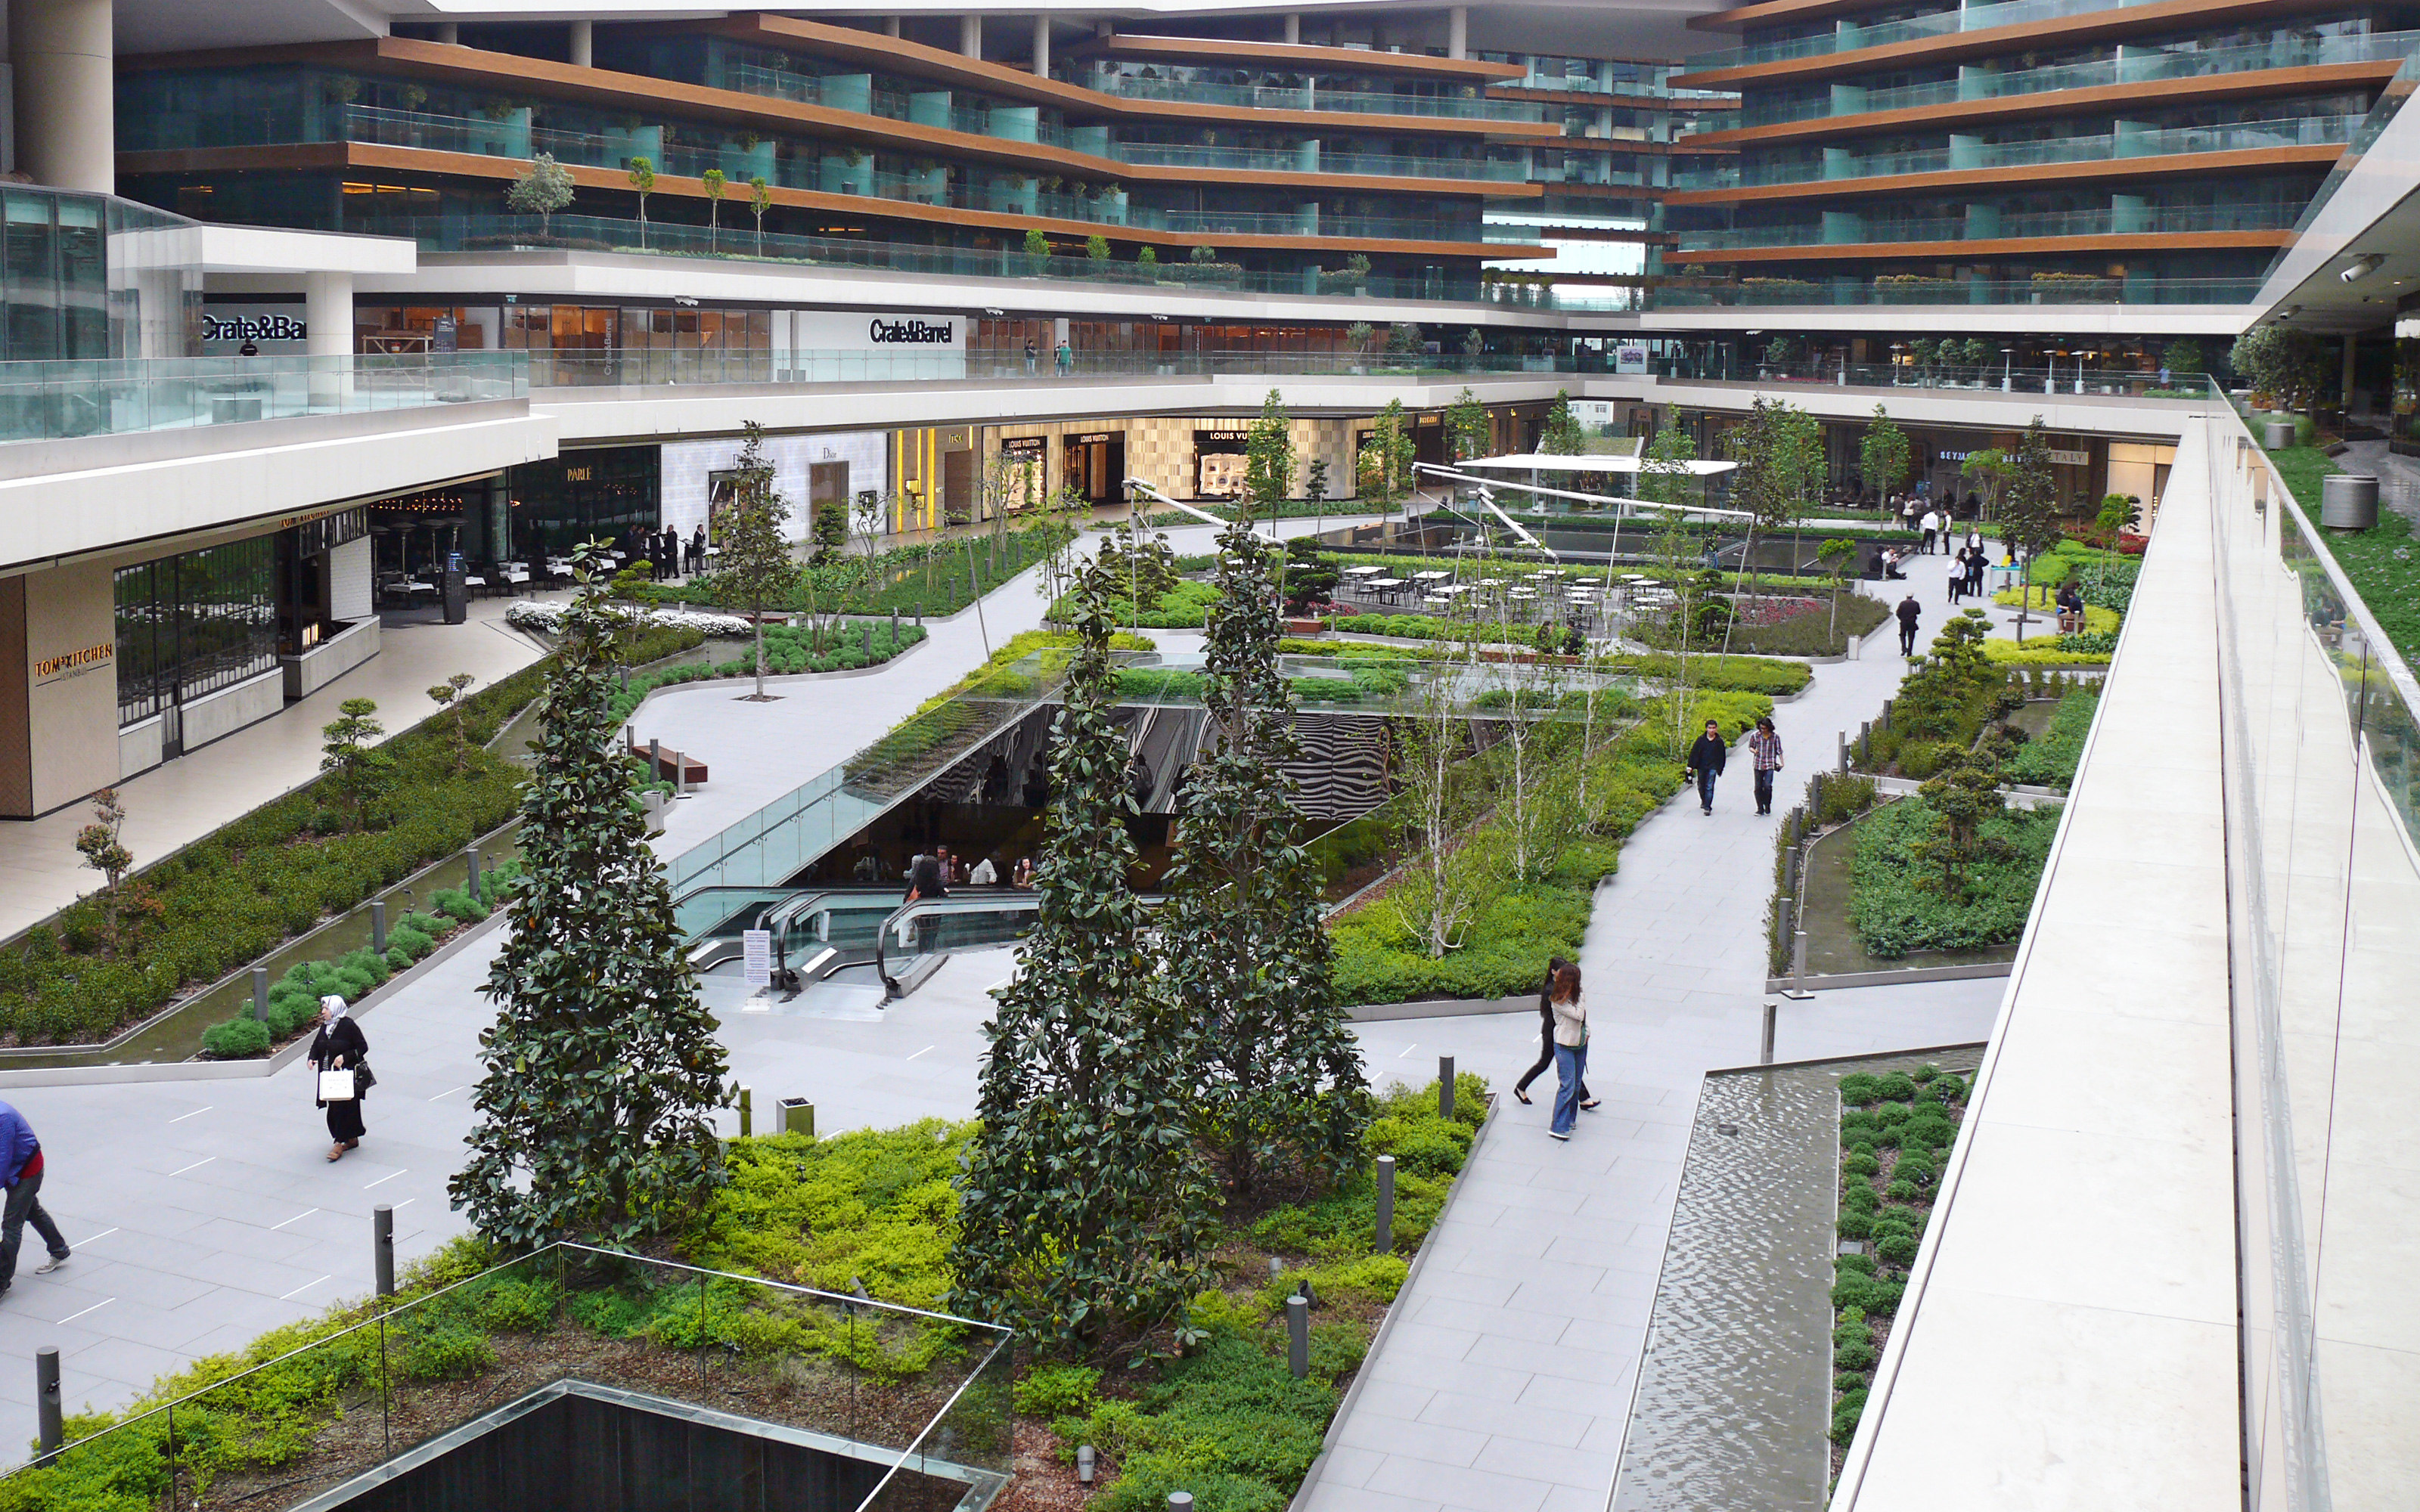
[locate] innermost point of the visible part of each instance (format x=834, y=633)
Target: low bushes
x=294, y=998
x=788, y=650
x=1816, y=634
x=1896, y=1134
x=1375, y=681
x=1893, y=910
x=1525, y=923
x=1224, y=1418
x=2049, y=758
x=1185, y=605
x=243, y=890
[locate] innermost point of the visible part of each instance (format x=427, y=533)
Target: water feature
x=1734, y=1396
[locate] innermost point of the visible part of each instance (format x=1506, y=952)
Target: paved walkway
x=1505, y=1380
x=183, y=800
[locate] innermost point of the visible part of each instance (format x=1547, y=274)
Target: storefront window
x=192, y=624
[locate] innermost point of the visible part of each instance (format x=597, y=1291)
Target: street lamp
x=2008, y=367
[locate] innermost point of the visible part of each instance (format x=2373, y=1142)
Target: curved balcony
x=1310, y=97
x=1259, y=160
x=2116, y=221
x=2146, y=66
x=2306, y=130
x=1848, y=37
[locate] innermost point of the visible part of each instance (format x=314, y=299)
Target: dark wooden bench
x=671, y=766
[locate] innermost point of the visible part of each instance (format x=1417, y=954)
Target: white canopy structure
x=1544, y=462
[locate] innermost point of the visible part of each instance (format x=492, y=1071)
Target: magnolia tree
x=1274, y=1066
x=1085, y=1210
x=603, y=1071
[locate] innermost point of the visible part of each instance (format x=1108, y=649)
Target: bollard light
x=260, y=994
x=1764, y=1057
x=1386, y=1206
x=378, y=926
x=471, y=870
x=1180, y=1502
x=1298, y=1336
x=747, y=1112
x=1444, y=1086
x=1085, y=1459
x=46, y=1397
x=382, y=1248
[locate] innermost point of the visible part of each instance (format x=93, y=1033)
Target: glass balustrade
x=1310, y=97
x=53, y=400
x=1863, y=290
x=2303, y=131
x=2153, y=221
x=2131, y=65
x=1287, y=159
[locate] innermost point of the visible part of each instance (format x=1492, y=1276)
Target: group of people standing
x=668, y=557
x=1966, y=577
x=932, y=875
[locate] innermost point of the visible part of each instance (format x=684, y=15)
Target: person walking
x=1029, y=355
x=21, y=1172
x=1932, y=528
x=1910, y=612
x=1546, y=1040
x=1958, y=576
x=1976, y=561
x=1570, y=1048
x=1764, y=749
x=340, y=1045
x=1706, y=760
x=697, y=550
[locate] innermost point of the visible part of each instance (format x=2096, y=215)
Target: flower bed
x=1896, y=1134
x=543, y=618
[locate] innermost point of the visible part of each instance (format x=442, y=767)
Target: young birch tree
x=756, y=570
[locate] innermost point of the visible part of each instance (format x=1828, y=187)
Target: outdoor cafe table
x=1430, y=576
x=1386, y=588
x=1363, y=572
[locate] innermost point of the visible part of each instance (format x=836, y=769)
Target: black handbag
x=364, y=1078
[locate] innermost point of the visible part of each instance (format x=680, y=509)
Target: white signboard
x=759, y=944
x=878, y=330
x=2072, y=459
x=1630, y=357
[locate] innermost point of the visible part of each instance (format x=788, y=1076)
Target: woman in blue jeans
x=1571, y=1047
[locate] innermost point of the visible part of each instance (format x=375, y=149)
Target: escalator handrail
x=1005, y=901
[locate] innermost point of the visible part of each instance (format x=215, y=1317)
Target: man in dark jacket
x=1909, y=613
x=21, y=1172
x=1706, y=758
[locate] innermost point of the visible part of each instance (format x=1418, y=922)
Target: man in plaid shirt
x=1764, y=746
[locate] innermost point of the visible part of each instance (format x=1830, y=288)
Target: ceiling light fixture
x=2362, y=268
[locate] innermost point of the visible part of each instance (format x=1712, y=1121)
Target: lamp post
x=2008, y=367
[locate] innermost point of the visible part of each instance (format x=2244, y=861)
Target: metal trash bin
x=2348, y=501
x=798, y=1116
x=2277, y=434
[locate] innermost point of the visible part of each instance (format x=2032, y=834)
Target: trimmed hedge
x=788, y=650
x=241, y=892
x=2050, y=758
x=1866, y=1289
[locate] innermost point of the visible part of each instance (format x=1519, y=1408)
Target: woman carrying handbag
x=339, y=1047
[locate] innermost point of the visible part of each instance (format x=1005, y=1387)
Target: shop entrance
x=1096, y=466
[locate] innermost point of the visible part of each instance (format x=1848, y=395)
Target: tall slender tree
x=602, y=1070
x=1268, y=460
x=1467, y=429
x=1273, y=1063
x=1383, y=471
x=756, y=569
x=1085, y=1210
x=1883, y=455
x=2031, y=508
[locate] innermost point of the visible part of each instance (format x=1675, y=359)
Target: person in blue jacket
x=21, y=1172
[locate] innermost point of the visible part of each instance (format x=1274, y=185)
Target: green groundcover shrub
x=788, y=650
x=1185, y=605
x=1894, y=912
x=2049, y=758
x=1523, y=926
x=294, y=998
x=1896, y=1133
x=1226, y=1420
x=246, y=888
x=934, y=577
x=1732, y=673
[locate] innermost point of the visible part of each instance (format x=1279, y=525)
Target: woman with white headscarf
x=339, y=1045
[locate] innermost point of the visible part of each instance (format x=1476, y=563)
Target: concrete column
x=1457, y=32
x=1294, y=31
x=2347, y=400
x=62, y=57
x=328, y=335
x=890, y=27
x=450, y=33
x=970, y=36
x=583, y=44
x=1042, y=47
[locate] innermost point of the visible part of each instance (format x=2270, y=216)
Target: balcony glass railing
x=2151, y=221
x=1311, y=95
x=1287, y=159
x=53, y=400
x=1790, y=293
x=581, y=233
x=640, y=367
x=2303, y=131
x=1850, y=38
x=2131, y=65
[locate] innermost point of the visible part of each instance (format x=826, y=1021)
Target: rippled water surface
x=1735, y=1395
